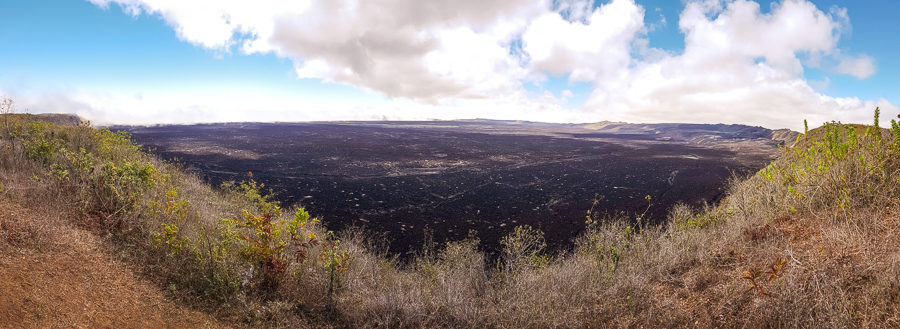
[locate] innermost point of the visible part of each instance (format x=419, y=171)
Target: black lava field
x=401, y=179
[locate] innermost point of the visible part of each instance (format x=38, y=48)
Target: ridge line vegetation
x=810, y=240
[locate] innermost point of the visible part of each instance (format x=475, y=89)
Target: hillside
x=811, y=240
x=56, y=275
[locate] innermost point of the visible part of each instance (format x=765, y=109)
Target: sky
x=765, y=63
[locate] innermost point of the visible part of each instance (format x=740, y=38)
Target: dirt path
x=52, y=275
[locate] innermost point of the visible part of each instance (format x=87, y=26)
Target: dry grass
x=55, y=275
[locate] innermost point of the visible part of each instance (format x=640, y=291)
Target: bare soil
x=53, y=275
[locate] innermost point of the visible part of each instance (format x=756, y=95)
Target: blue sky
x=133, y=61
x=65, y=44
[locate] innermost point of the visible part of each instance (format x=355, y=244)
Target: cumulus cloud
x=459, y=58
x=426, y=50
x=738, y=66
x=597, y=48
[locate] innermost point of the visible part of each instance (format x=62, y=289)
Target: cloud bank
x=449, y=59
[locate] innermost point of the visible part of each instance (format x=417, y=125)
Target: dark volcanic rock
x=452, y=177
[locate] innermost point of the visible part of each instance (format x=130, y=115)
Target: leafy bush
x=174, y=213
x=120, y=187
x=523, y=249
x=115, y=145
x=42, y=149
x=838, y=173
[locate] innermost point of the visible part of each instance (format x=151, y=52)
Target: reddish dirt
x=53, y=275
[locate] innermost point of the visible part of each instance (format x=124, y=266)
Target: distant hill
x=62, y=119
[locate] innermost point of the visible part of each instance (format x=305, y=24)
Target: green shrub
x=215, y=272
x=837, y=172
x=173, y=213
x=120, y=187
x=115, y=146
x=81, y=163
x=523, y=249
x=699, y=220
x=335, y=261
x=895, y=133
x=210, y=266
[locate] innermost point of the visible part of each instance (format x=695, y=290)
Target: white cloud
x=739, y=32
x=820, y=85
x=213, y=24
x=459, y=58
x=597, y=49
x=236, y=105
x=426, y=50
x=860, y=66
x=738, y=66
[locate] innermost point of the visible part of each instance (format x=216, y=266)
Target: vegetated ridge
x=809, y=241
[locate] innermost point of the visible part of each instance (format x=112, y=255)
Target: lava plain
x=452, y=178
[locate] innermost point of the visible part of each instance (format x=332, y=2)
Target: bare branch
x=7, y=107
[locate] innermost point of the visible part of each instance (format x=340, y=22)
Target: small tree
x=6, y=108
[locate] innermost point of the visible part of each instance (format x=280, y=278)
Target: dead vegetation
x=813, y=240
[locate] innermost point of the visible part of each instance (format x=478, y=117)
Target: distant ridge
x=62, y=119
x=786, y=137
